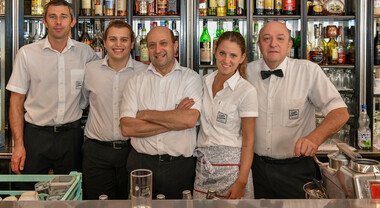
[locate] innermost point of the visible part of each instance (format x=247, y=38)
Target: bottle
x=211, y=194
x=186, y=194
x=255, y=47
x=221, y=10
x=151, y=8
x=317, y=8
x=376, y=7
x=98, y=8
x=37, y=7
x=316, y=53
x=142, y=7
x=176, y=37
x=289, y=7
x=137, y=42
x=260, y=6
x=98, y=45
x=364, y=132
x=121, y=7
x=332, y=54
x=162, y=7
x=269, y=7
x=173, y=7
x=218, y=33
x=86, y=8
x=341, y=48
x=202, y=7
x=231, y=8
x=236, y=26
x=160, y=197
x=205, y=46
x=291, y=53
x=110, y=7
x=212, y=7
x=277, y=7
x=85, y=36
x=103, y=197
x=377, y=45
x=351, y=47
x=309, y=5
x=334, y=7
x=240, y=10
x=325, y=46
x=298, y=45
x=144, y=53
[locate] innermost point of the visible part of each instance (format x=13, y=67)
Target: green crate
x=73, y=193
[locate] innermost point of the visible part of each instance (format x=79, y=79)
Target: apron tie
x=200, y=154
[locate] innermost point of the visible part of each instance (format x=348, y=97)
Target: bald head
x=275, y=25
x=161, y=30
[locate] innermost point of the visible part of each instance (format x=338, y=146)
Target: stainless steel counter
x=311, y=203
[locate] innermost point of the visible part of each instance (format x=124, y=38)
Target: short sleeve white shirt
x=221, y=115
x=103, y=88
x=287, y=104
x=51, y=81
x=149, y=90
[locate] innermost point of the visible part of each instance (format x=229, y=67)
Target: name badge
x=293, y=114
x=221, y=117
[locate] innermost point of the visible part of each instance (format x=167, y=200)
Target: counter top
x=299, y=203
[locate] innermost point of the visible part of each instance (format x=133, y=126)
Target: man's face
x=58, y=21
x=118, y=43
x=161, y=48
x=274, y=43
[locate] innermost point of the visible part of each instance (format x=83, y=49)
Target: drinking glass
x=141, y=188
x=347, y=79
x=33, y=29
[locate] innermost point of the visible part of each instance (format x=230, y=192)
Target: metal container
x=314, y=191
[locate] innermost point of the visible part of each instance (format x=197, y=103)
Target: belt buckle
x=116, y=147
x=56, y=128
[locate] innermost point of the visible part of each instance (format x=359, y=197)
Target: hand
x=18, y=159
x=236, y=191
x=186, y=103
x=140, y=114
x=305, y=146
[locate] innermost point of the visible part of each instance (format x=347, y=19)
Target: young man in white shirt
x=289, y=91
x=159, y=110
x=105, y=151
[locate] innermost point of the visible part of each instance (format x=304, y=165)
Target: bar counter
x=299, y=203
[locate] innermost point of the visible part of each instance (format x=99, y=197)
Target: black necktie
x=266, y=74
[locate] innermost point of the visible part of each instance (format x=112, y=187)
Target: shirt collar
x=176, y=67
x=231, y=82
x=46, y=44
x=283, y=66
x=129, y=65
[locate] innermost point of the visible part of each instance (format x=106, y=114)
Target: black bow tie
x=266, y=74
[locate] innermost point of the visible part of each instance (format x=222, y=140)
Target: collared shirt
x=287, y=105
x=103, y=89
x=150, y=90
x=221, y=115
x=51, y=81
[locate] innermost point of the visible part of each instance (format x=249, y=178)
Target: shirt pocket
x=76, y=80
x=225, y=114
x=293, y=112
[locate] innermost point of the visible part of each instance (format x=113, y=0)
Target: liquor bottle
x=334, y=7
x=137, y=42
x=377, y=45
x=85, y=36
x=231, y=7
x=364, y=132
x=317, y=8
x=98, y=8
x=110, y=7
x=221, y=10
x=351, y=47
x=259, y=7
x=142, y=7
x=309, y=5
x=37, y=7
x=151, y=9
x=212, y=7
x=277, y=7
x=86, y=8
x=341, y=48
x=98, y=46
x=218, y=33
x=289, y=7
x=269, y=7
x=255, y=38
x=376, y=7
x=205, y=45
x=316, y=53
x=291, y=53
x=202, y=7
x=236, y=26
x=162, y=7
x=144, y=53
x=309, y=44
x=298, y=45
x=176, y=37
x=121, y=7
x=332, y=55
x=240, y=10
x=325, y=46
x=173, y=7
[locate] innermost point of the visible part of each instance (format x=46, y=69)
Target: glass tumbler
x=141, y=188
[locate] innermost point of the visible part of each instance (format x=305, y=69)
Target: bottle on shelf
x=203, y=8
x=218, y=33
x=98, y=8
x=289, y=7
x=255, y=46
x=137, y=42
x=332, y=54
x=376, y=7
x=236, y=26
x=277, y=7
x=205, y=46
x=364, y=132
x=231, y=7
x=334, y=7
x=162, y=7
x=316, y=53
x=98, y=45
x=142, y=7
x=144, y=53
x=377, y=45
x=85, y=36
x=298, y=45
x=240, y=10
x=341, y=48
x=151, y=8
x=291, y=53
x=121, y=7
x=110, y=7
x=317, y=8
x=259, y=6
x=212, y=7
x=269, y=7
x=351, y=46
x=86, y=8
x=173, y=7
x=221, y=10
x=309, y=6
x=176, y=36
x=309, y=43
x=37, y=7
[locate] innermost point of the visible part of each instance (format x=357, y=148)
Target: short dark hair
x=119, y=24
x=59, y=3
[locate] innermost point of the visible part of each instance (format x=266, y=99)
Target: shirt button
x=268, y=132
x=61, y=69
x=61, y=83
x=61, y=97
x=61, y=110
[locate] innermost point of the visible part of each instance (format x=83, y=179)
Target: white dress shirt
x=221, y=115
x=51, y=81
x=103, y=89
x=149, y=90
x=287, y=105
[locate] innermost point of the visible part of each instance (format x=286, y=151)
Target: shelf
x=376, y=66
x=206, y=66
x=33, y=16
x=364, y=153
x=351, y=17
x=376, y=16
x=223, y=17
x=345, y=90
x=2, y=16
x=321, y=116
x=345, y=66
x=102, y=17
x=174, y=17
x=288, y=17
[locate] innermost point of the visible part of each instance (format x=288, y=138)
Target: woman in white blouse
x=225, y=142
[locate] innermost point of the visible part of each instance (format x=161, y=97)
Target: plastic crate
x=73, y=193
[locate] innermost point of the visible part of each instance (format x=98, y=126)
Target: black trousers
x=46, y=149
x=171, y=175
x=104, y=171
x=281, y=179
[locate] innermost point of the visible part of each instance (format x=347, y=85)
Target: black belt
x=162, y=158
x=119, y=144
x=57, y=128
x=280, y=161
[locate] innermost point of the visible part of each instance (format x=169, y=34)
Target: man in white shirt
x=289, y=91
x=46, y=80
x=105, y=151
x=159, y=110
